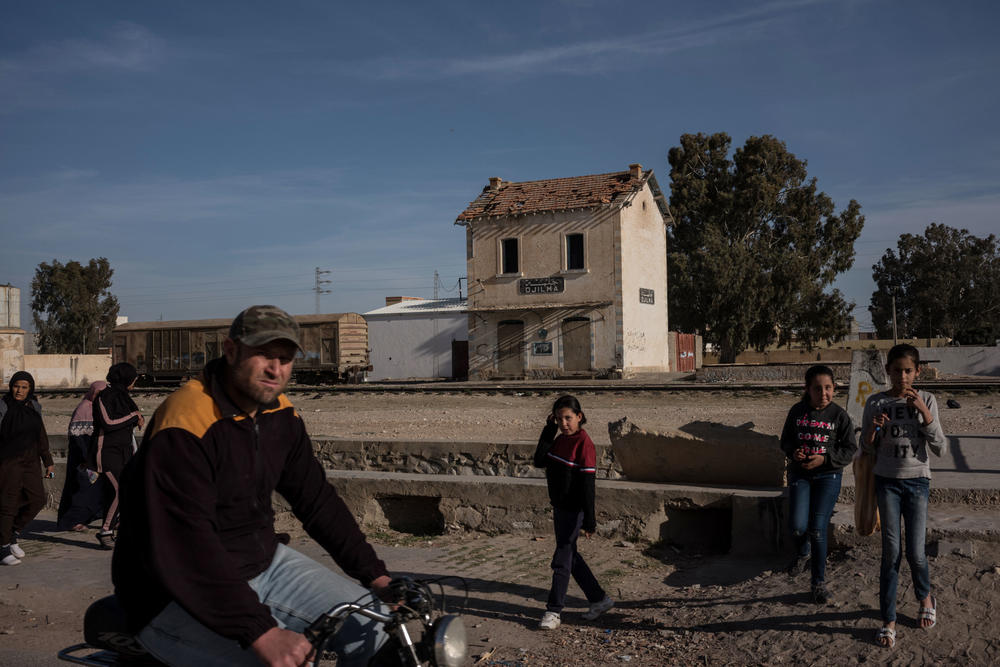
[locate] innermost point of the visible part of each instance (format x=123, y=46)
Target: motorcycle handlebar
x=348, y=608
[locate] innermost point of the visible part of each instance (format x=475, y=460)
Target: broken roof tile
x=553, y=194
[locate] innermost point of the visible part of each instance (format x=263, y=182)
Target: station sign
x=540, y=285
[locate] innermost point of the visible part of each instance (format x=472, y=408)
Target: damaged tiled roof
x=553, y=194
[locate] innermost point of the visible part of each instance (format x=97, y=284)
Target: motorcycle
x=441, y=640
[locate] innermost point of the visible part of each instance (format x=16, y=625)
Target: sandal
x=888, y=634
x=928, y=614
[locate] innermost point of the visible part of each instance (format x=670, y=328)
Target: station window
x=508, y=256
x=574, y=252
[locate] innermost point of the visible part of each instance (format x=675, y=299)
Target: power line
x=319, y=286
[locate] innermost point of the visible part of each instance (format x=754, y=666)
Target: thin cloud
x=126, y=46
x=588, y=56
x=34, y=79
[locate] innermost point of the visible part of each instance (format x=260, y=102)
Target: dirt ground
x=673, y=607
x=509, y=418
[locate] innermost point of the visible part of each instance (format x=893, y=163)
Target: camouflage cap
x=258, y=325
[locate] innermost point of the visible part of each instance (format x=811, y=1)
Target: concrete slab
x=717, y=518
x=945, y=522
x=698, y=453
x=969, y=472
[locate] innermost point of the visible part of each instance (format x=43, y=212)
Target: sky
x=218, y=153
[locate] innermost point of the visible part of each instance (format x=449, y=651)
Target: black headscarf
x=115, y=398
x=22, y=422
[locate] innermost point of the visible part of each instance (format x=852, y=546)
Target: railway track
x=987, y=385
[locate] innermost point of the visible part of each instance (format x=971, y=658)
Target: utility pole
x=319, y=286
x=894, y=341
x=436, y=280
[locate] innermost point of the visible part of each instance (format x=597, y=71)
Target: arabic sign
x=542, y=349
x=540, y=285
x=645, y=295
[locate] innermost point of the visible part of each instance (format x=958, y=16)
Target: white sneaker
x=550, y=621
x=598, y=608
x=16, y=549
x=6, y=557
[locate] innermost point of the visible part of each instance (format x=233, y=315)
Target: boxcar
x=335, y=348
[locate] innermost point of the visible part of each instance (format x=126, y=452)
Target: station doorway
x=576, y=344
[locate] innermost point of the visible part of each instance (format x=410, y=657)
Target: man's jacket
x=197, y=521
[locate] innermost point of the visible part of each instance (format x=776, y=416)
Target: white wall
x=413, y=346
x=11, y=354
x=644, y=265
x=67, y=370
x=963, y=360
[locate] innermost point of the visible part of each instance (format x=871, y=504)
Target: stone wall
x=444, y=458
x=770, y=372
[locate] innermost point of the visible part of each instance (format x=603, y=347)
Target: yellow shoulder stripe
x=283, y=404
x=190, y=408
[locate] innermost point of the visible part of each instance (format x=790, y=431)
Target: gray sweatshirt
x=901, y=446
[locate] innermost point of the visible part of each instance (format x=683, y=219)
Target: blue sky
x=217, y=152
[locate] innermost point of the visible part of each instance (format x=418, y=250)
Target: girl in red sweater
x=567, y=453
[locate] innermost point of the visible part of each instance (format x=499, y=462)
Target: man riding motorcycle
x=197, y=566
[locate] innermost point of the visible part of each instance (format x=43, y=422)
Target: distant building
x=12, y=338
x=568, y=275
x=413, y=338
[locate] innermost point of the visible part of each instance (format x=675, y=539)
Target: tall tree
x=754, y=246
x=946, y=283
x=72, y=306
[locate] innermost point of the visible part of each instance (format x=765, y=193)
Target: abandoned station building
x=567, y=276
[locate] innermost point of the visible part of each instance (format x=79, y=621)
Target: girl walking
x=115, y=415
x=900, y=426
x=818, y=439
x=567, y=453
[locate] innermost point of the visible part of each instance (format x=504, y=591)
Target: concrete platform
x=714, y=518
x=482, y=494
x=968, y=473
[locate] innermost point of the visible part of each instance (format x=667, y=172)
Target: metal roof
x=422, y=307
x=223, y=323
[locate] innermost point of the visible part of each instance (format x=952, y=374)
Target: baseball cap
x=258, y=325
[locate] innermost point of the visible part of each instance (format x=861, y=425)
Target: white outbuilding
x=412, y=338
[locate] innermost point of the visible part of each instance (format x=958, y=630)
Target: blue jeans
x=904, y=499
x=567, y=562
x=811, y=499
x=297, y=589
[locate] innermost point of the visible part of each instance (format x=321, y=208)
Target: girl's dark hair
x=901, y=351
x=813, y=373
x=570, y=402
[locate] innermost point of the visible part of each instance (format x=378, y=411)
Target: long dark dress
x=81, y=501
x=85, y=492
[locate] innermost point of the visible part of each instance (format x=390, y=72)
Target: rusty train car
x=335, y=348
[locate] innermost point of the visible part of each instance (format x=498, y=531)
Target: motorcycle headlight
x=450, y=646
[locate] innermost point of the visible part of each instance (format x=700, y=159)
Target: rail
x=986, y=385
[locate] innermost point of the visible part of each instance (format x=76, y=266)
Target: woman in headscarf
x=83, y=493
x=23, y=441
x=115, y=415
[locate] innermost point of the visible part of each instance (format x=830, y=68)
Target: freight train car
x=334, y=348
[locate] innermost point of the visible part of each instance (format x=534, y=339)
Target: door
x=460, y=359
x=685, y=353
x=510, y=347
x=576, y=344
